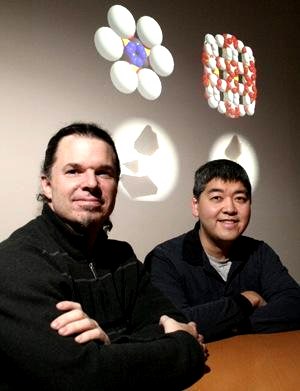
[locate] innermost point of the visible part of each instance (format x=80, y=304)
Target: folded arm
x=273, y=304
x=281, y=293
x=51, y=361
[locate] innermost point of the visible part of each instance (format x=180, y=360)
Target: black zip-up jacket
x=181, y=270
x=43, y=263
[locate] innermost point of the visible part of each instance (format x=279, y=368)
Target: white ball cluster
x=136, y=50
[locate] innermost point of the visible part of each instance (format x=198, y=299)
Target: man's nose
x=229, y=205
x=90, y=180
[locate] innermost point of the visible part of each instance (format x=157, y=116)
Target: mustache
x=90, y=195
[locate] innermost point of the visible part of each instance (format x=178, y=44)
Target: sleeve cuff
x=244, y=304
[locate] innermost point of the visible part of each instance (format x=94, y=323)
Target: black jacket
x=43, y=263
x=181, y=269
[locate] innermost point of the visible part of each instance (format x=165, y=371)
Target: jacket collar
x=194, y=253
x=74, y=243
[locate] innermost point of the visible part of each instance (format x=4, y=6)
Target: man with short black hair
x=225, y=282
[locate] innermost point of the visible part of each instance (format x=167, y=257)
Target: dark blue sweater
x=181, y=269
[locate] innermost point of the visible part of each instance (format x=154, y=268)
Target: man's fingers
x=68, y=305
x=77, y=326
x=200, y=338
x=74, y=321
x=193, y=325
x=74, y=312
x=87, y=330
x=163, y=319
x=68, y=317
x=95, y=334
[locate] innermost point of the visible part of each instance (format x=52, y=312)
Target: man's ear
x=46, y=187
x=195, y=211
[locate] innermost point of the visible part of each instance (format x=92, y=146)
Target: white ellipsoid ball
x=212, y=63
x=242, y=110
x=212, y=102
x=213, y=79
x=250, y=108
x=208, y=49
x=221, y=107
x=108, y=44
x=161, y=60
x=210, y=39
x=123, y=77
x=220, y=40
x=240, y=45
x=121, y=21
x=149, y=85
x=209, y=90
x=149, y=31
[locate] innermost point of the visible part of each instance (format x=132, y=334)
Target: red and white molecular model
x=229, y=75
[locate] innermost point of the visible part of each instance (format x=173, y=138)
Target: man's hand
x=171, y=325
x=75, y=321
x=255, y=299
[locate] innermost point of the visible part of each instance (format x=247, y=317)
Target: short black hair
x=227, y=170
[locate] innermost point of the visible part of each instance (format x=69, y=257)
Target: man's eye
x=241, y=199
x=72, y=172
x=216, y=198
x=105, y=174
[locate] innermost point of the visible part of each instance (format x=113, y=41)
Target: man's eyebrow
x=101, y=167
x=107, y=167
x=215, y=189
x=71, y=164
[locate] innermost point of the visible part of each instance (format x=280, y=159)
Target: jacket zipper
x=93, y=270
